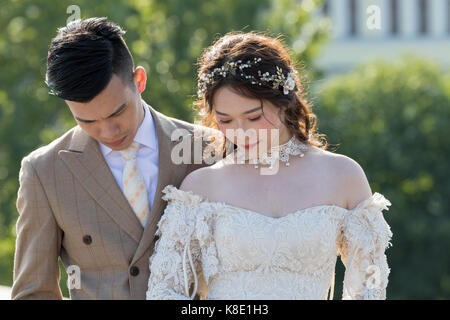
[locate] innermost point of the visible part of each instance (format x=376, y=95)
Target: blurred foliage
x=165, y=37
x=393, y=119
x=7, y=245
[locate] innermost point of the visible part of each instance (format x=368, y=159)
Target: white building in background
x=419, y=27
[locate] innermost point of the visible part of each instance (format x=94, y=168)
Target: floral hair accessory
x=236, y=68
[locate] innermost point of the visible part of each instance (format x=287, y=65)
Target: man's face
x=113, y=116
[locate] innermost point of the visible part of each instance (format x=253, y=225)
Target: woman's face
x=246, y=122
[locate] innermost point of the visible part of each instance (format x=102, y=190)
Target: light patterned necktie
x=134, y=185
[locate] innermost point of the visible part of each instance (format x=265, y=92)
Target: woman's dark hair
x=298, y=117
x=83, y=57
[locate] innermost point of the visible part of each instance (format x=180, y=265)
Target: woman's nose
x=242, y=125
x=244, y=134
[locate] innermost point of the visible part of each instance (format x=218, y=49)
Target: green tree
x=392, y=118
x=169, y=40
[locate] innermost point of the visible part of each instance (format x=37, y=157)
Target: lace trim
x=365, y=224
x=208, y=245
x=187, y=197
x=366, y=236
x=190, y=228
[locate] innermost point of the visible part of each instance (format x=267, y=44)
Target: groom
x=93, y=196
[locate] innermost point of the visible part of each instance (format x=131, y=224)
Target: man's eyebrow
x=246, y=112
x=111, y=115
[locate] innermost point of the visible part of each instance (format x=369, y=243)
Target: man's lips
x=117, y=142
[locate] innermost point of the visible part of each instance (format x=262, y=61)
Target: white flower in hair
x=289, y=84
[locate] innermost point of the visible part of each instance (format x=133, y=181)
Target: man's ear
x=140, y=78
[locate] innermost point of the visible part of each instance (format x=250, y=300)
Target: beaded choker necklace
x=281, y=152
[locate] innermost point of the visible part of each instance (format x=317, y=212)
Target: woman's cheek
x=223, y=128
x=263, y=126
x=268, y=126
x=270, y=120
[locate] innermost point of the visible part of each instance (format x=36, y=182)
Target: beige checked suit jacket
x=70, y=207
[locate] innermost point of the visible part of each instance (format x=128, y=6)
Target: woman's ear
x=140, y=78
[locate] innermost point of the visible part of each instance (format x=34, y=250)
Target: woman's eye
x=254, y=119
x=224, y=121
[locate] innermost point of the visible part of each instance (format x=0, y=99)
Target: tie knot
x=130, y=152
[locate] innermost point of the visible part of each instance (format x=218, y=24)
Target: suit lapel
x=167, y=171
x=85, y=160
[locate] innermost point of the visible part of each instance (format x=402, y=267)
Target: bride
x=231, y=232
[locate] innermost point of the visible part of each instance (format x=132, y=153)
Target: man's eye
x=254, y=119
x=224, y=121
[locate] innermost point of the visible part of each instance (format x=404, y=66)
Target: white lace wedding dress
x=234, y=253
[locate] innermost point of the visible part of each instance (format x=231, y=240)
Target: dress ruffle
x=365, y=225
x=187, y=197
x=185, y=223
x=365, y=237
x=174, y=229
x=207, y=244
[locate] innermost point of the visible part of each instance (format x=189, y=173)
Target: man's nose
x=110, y=130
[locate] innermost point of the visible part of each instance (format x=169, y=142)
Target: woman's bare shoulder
x=201, y=181
x=348, y=175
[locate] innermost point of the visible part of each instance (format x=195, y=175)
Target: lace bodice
x=220, y=251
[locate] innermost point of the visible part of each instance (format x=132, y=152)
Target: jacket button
x=87, y=239
x=134, y=271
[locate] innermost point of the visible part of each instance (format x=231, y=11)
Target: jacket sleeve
x=38, y=242
x=175, y=264
x=364, y=237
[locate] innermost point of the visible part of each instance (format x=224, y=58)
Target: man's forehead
x=107, y=102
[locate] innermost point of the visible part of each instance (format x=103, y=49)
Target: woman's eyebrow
x=246, y=112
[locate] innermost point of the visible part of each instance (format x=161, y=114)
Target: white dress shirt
x=146, y=158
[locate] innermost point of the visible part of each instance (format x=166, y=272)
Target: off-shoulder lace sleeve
x=365, y=236
x=175, y=261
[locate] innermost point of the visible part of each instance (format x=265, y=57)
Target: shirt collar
x=145, y=134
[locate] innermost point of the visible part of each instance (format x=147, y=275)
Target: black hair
x=83, y=57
